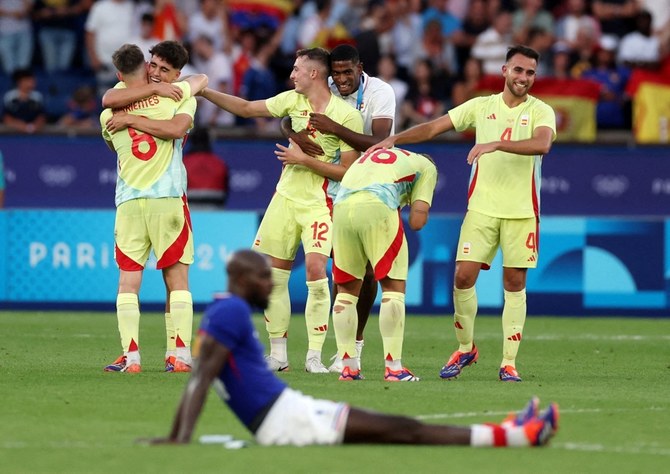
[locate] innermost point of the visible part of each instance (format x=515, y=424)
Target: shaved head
x=250, y=277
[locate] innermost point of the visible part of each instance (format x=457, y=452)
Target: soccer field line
x=599, y=448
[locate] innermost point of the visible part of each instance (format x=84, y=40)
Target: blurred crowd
x=55, y=55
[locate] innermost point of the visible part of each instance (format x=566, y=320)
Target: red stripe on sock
x=179, y=342
x=499, y=436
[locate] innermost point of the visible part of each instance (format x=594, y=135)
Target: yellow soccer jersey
x=296, y=182
x=397, y=177
x=504, y=185
x=149, y=167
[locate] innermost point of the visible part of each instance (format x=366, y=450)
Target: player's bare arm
x=381, y=128
x=241, y=107
x=211, y=360
x=302, y=138
x=295, y=156
x=538, y=144
x=418, y=214
x=417, y=134
x=117, y=98
x=171, y=129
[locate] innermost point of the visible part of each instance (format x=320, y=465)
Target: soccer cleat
x=276, y=365
x=121, y=365
x=337, y=366
x=169, y=363
x=313, y=365
x=540, y=430
x=522, y=417
x=181, y=366
x=348, y=374
x=509, y=374
x=402, y=375
x=457, y=362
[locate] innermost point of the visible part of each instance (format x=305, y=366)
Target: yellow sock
x=513, y=319
x=392, y=323
x=465, y=311
x=170, y=335
x=278, y=313
x=345, y=323
x=317, y=311
x=181, y=311
x=128, y=316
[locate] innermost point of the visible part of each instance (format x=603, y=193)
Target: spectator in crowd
x=259, y=81
x=145, y=39
x=465, y=86
x=640, y=48
x=424, y=100
x=575, y=20
x=541, y=41
x=616, y=17
x=169, y=21
x=82, y=109
x=16, y=35
x=491, y=46
x=217, y=66
x=561, y=61
x=211, y=21
x=407, y=27
x=474, y=23
x=109, y=24
x=387, y=73
x=57, y=23
x=613, y=109
x=660, y=14
x=375, y=37
x=23, y=105
x=531, y=15
x=438, y=10
x=207, y=173
x=436, y=48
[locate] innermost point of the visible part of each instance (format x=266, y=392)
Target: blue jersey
x=245, y=383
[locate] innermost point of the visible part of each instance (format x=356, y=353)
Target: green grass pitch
x=59, y=412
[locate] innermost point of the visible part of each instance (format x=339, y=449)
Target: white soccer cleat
x=276, y=365
x=313, y=365
x=337, y=366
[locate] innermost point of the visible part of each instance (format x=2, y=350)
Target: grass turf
x=611, y=376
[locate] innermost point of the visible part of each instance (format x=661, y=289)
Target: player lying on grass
x=230, y=357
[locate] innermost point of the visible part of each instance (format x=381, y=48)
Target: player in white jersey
x=513, y=131
x=375, y=100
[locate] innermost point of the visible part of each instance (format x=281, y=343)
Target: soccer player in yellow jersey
x=375, y=100
x=513, y=131
x=367, y=227
x=151, y=206
x=300, y=210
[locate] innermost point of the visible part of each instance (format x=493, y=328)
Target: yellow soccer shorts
x=162, y=224
x=482, y=235
x=365, y=229
x=287, y=223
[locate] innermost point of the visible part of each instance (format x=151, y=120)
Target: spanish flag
x=650, y=91
x=573, y=100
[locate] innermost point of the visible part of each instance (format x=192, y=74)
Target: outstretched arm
x=211, y=360
x=236, y=105
x=417, y=134
x=381, y=128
